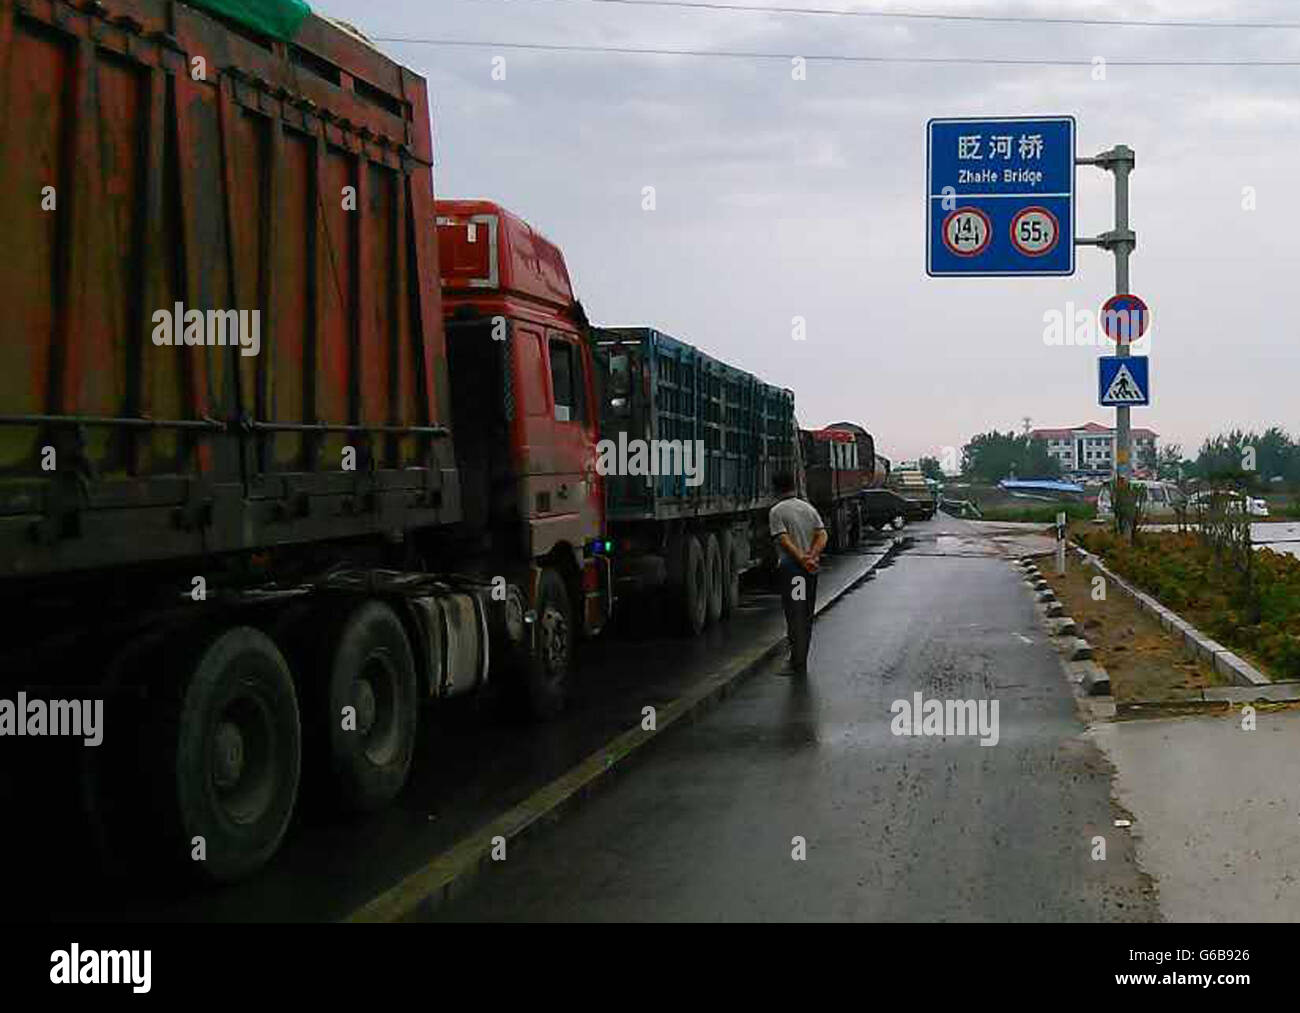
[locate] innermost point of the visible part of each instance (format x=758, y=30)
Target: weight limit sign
x=1034, y=231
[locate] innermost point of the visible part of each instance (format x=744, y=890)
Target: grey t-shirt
x=796, y=518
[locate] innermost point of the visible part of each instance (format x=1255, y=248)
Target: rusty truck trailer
x=163, y=164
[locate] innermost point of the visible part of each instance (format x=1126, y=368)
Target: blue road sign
x=1123, y=380
x=1000, y=196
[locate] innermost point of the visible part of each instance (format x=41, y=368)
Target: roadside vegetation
x=1245, y=598
x=1283, y=507
x=1045, y=514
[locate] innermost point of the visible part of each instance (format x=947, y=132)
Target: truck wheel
x=713, y=576
x=730, y=574
x=547, y=670
x=365, y=754
x=695, y=589
x=232, y=752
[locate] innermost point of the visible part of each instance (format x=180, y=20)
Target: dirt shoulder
x=1144, y=661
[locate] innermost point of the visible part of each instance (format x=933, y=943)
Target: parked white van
x=1163, y=499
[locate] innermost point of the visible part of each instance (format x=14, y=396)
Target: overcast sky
x=779, y=198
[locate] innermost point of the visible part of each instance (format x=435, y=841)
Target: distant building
x=1088, y=451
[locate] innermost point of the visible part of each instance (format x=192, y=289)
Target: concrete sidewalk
x=1216, y=812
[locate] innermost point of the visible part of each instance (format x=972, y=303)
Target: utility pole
x=1121, y=241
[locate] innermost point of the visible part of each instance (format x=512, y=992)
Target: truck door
x=575, y=513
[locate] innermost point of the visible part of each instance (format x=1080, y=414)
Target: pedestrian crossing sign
x=1123, y=380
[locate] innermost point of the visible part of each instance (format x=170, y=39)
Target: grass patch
x=1045, y=514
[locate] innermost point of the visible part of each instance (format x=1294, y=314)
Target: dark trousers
x=798, y=610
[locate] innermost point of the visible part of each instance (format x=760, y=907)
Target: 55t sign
x=1034, y=231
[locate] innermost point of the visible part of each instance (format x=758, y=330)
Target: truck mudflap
x=597, y=593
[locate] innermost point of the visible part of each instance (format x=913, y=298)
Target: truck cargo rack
x=216, y=425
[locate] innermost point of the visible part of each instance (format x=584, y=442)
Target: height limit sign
x=1000, y=196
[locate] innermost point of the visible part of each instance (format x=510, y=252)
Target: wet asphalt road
x=896, y=827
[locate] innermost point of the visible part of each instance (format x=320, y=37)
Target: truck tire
x=695, y=588
x=366, y=664
x=713, y=576
x=232, y=752
x=730, y=574
x=548, y=668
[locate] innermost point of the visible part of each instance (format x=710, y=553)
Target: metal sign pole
x=1121, y=241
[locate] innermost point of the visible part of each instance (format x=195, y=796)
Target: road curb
x=1089, y=680
x=449, y=874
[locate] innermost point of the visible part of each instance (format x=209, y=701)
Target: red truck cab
x=524, y=405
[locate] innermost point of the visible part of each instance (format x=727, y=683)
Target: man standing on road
x=800, y=536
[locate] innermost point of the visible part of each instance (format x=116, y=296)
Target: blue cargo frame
x=677, y=392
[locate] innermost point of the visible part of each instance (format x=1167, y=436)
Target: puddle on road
x=945, y=544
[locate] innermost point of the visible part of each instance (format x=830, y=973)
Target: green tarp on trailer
x=278, y=18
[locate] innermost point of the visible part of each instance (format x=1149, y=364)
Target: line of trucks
x=264, y=564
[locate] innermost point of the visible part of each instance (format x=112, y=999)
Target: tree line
x=993, y=456
x=1245, y=456
x=1238, y=456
